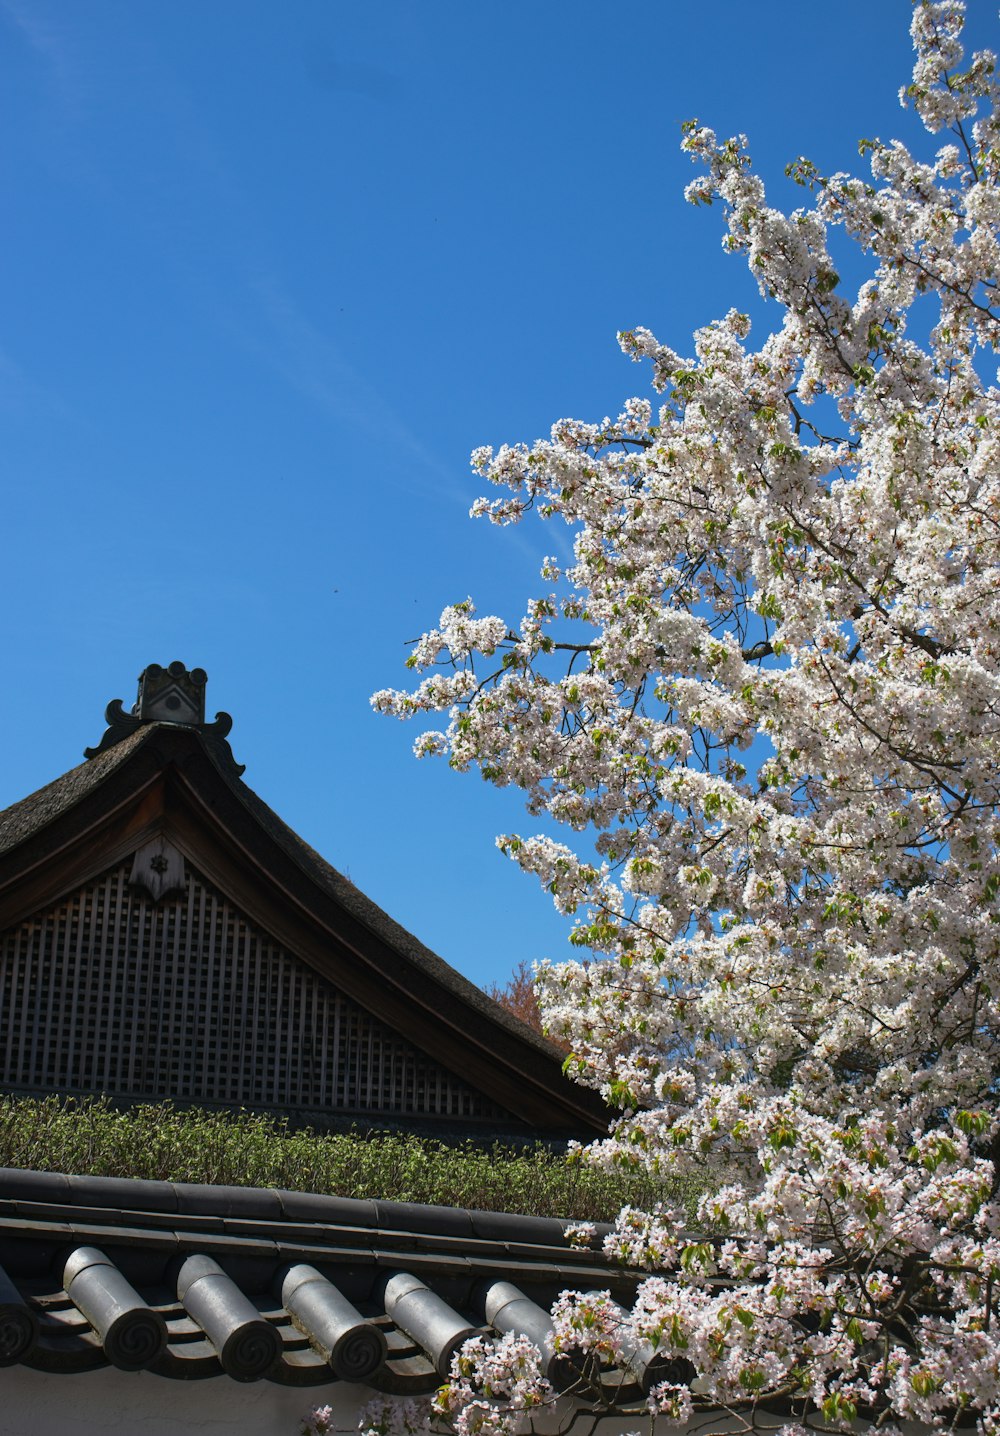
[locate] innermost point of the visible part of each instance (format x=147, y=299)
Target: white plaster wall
x=99, y=1403
x=118, y=1403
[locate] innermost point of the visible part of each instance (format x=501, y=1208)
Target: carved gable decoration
x=158, y=868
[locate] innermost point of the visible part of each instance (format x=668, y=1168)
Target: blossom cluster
x=765, y=698
x=383, y=1416
x=496, y=1387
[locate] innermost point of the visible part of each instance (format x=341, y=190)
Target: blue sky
x=270, y=273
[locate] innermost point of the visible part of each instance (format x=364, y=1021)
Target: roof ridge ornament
x=174, y=695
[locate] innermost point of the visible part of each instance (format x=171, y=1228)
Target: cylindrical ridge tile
x=425, y=1317
x=508, y=1309
x=353, y=1347
x=646, y=1364
x=132, y=1334
x=248, y=1346
x=18, y=1323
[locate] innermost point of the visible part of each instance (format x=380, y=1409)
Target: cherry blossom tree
x=764, y=697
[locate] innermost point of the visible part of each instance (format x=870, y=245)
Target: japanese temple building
x=164, y=935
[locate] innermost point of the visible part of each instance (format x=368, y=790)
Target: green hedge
x=88, y=1136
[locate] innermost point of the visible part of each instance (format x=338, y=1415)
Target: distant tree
x=765, y=698
x=518, y=996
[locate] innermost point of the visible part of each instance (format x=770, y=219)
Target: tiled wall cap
x=266, y=1204
x=511, y=1227
x=415, y=1217
x=331, y=1211
x=124, y=1193
x=18, y=1185
x=258, y=1203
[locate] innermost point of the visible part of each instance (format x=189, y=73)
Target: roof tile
x=272, y=1298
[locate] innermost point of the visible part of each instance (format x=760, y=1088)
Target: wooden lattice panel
x=109, y=991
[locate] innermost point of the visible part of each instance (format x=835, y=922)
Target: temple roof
x=153, y=776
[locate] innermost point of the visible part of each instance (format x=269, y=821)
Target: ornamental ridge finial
x=171, y=695
x=174, y=695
